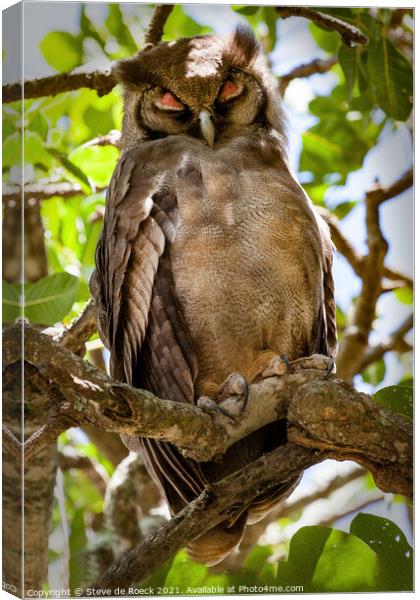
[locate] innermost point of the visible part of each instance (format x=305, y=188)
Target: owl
x=212, y=263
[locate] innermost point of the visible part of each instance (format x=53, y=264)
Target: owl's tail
x=215, y=545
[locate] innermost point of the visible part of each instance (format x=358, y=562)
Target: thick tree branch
x=324, y=414
x=314, y=67
x=220, y=501
x=349, y=34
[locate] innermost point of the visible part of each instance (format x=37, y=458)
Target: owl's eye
x=169, y=102
x=230, y=90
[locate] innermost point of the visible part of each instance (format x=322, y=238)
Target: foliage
x=373, y=91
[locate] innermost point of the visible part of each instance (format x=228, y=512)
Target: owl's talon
x=234, y=385
x=319, y=362
x=211, y=407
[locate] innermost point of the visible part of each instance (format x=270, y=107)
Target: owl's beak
x=206, y=127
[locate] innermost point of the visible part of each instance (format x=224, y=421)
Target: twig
x=112, y=138
x=157, y=23
x=68, y=459
x=82, y=328
x=306, y=70
x=349, y=34
x=100, y=80
x=43, y=191
x=379, y=194
x=395, y=342
x=214, y=505
x=323, y=413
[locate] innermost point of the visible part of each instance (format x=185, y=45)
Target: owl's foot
x=280, y=365
x=234, y=388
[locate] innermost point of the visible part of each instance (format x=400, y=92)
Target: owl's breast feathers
x=207, y=258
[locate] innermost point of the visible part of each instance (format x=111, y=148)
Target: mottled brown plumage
x=211, y=259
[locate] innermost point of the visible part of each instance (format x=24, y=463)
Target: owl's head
x=204, y=86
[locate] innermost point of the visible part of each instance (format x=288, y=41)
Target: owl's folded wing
x=132, y=284
x=139, y=317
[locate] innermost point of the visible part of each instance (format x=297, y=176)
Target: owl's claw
x=211, y=407
x=280, y=365
x=231, y=400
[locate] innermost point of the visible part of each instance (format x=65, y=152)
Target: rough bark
x=323, y=413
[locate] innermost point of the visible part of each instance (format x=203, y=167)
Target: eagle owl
x=212, y=262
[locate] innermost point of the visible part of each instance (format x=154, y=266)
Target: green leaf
x=181, y=25
x=328, y=560
x=12, y=308
x=12, y=150
x=88, y=29
x=348, y=59
x=326, y=39
x=77, y=544
x=404, y=295
x=391, y=546
x=392, y=78
x=343, y=209
x=72, y=169
x=398, y=398
x=246, y=10
x=34, y=150
x=39, y=125
x=97, y=162
x=116, y=26
x=185, y=573
x=62, y=50
x=374, y=373
x=50, y=299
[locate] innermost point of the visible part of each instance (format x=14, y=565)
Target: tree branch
x=324, y=414
x=349, y=34
x=101, y=80
x=356, y=337
x=356, y=260
x=314, y=67
x=157, y=23
x=68, y=458
x=81, y=329
x=219, y=502
x=43, y=191
x=395, y=343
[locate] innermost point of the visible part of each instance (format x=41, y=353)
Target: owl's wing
x=325, y=341
x=139, y=318
x=132, y=283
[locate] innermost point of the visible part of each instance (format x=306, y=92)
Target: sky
x=386, y=162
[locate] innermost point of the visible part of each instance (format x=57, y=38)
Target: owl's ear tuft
x=128, y=71
x=243, y=46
